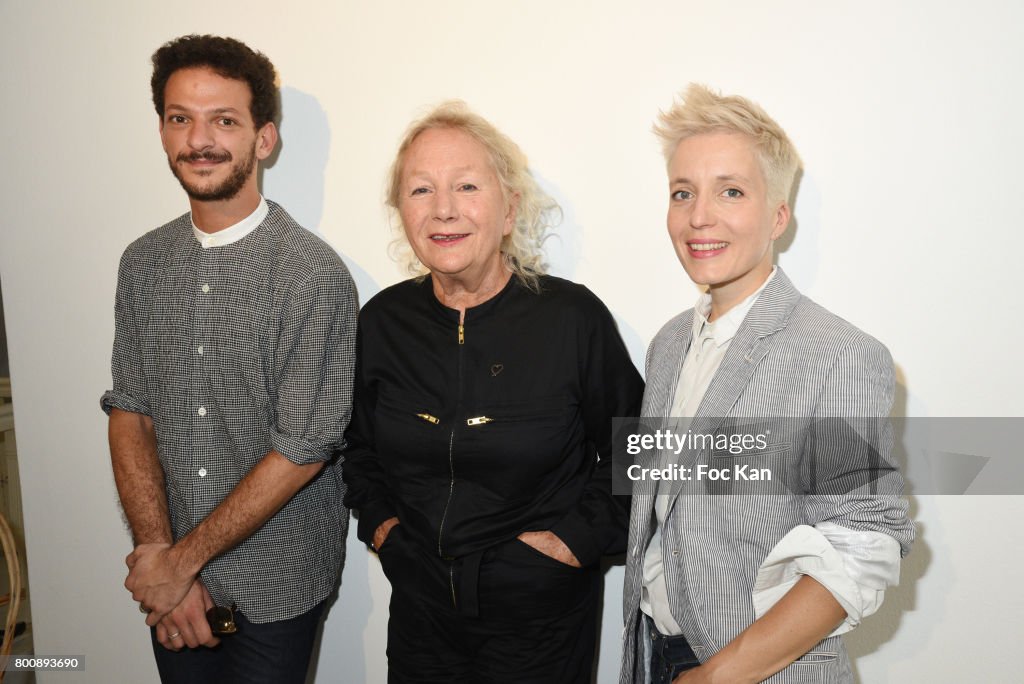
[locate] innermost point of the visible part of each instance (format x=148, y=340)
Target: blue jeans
x=269, y=653
x=670, y=657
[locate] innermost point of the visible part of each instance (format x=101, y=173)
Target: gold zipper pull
x=462, y=334
x=479, y=420
x=429, y=418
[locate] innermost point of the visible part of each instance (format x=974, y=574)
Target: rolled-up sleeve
x=855, y=567
x=858, y=527
x=129, y=383
x=313, y=366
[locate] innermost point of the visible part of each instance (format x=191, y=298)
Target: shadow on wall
x=563, y=244
x=801, y=264
x=563, y=248
x=294, y=176
x=881, y=628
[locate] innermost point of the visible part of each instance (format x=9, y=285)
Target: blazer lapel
x=751, y=343
x=663, y=374
x=662, y=378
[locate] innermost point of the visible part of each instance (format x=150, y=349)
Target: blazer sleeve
x=851, y=477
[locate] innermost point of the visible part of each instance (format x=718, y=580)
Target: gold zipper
x=451, y=489
x=429, y=418
x=479, y=420
x=462, y=334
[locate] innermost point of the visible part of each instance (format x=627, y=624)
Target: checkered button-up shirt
x=234, y=351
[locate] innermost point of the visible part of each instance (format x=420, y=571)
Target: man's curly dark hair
x=227, y=57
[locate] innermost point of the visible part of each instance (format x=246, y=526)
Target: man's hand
x=186, y=625
x=157, y=580
x=382, y=532
x=548, y=543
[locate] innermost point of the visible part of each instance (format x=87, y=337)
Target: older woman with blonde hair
x=478, y=457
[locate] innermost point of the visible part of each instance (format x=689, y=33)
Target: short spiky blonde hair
x=701, y=110
x=522, y=249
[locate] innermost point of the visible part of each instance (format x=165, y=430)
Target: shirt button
x=200, y=350
x=202, y=410
x=675, y=552
x=206, y=287
x=202, y=472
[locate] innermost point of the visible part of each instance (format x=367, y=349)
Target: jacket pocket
x=543, y=411
x=409, y=411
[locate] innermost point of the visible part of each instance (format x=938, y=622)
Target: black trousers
x=511, y=614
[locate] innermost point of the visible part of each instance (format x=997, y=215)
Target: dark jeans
x=269, y=653
x=517, y=616
x=670, y=657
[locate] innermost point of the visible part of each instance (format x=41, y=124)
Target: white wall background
x=908, y=223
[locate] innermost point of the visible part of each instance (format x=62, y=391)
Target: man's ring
x=176, y=635
x=144, y=609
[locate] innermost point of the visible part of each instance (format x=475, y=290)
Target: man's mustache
x=205, y=156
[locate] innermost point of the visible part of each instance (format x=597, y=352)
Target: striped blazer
x=789, y=358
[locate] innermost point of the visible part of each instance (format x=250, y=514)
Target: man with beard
x=232, y=377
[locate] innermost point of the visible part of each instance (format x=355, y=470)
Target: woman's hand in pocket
x=548, y=543
x=382, y=532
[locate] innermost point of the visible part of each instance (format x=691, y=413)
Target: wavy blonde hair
x=536, y=212
x=701, y=110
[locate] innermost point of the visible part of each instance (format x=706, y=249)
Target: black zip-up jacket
x=472, y=434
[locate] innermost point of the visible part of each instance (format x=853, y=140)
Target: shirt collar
x=232, y=233
x=723, y=329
